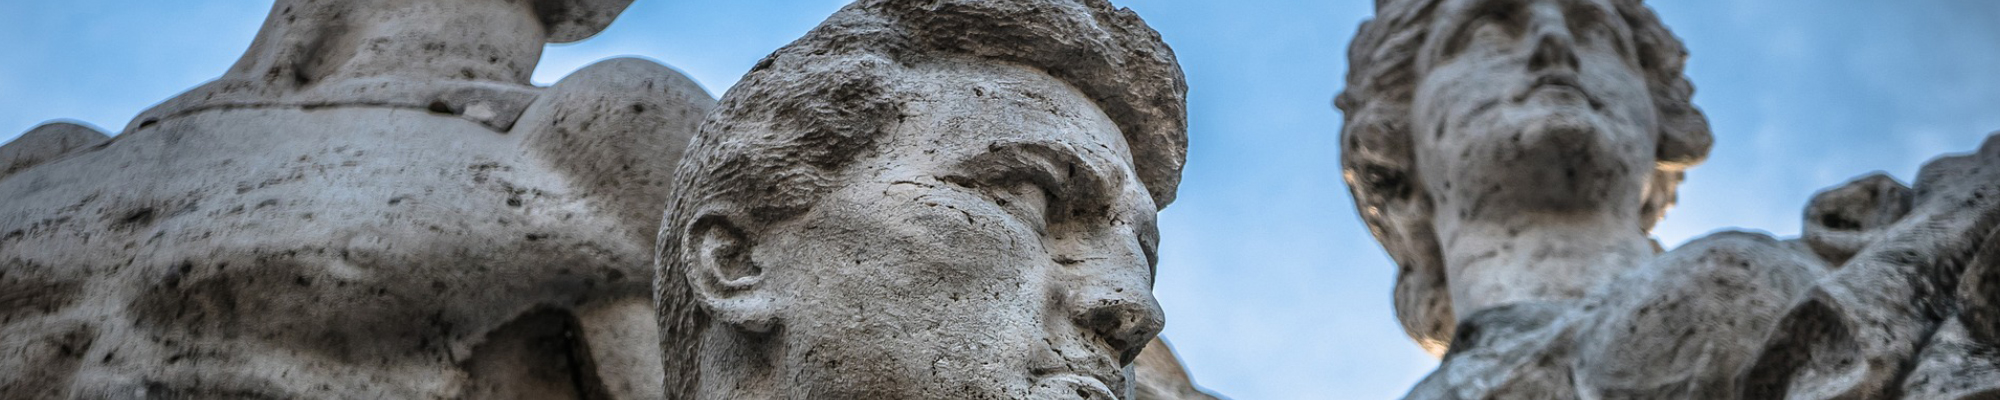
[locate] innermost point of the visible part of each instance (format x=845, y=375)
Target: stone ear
x=724, y=274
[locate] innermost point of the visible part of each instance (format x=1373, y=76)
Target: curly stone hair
x=785, y=135
x=1377, y=163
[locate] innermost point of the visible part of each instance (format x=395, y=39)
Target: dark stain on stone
x=537, y=355
x=134, y=218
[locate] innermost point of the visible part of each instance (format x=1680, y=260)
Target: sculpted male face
x=1533, y=105
x=997, y=246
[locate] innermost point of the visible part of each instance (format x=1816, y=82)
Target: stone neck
x=1526, y=257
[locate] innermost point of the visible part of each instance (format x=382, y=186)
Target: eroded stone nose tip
x=1125, y=323
x=1554, y=50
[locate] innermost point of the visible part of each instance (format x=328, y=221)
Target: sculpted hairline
x=801, y=115
x=1376, y=144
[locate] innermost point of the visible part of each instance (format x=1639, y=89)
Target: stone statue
x=928, y=200
x=1159, y=375
x=373, y=203
x=1511, y=156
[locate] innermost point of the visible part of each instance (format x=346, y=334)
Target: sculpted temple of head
x=373, y=203
x=1512, y=155
x=920, y=200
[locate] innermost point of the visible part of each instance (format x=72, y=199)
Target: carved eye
x=1027, y=200
x=1491, y=24
x=1039, y=183
x=1598, y=28
x=1022, y=191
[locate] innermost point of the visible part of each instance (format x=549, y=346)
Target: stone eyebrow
x=1476, y=8
x=1592, y=11
x=1057, y=167
x=1585, y=12
x=1454, y=21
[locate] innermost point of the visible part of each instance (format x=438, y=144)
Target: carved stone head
x=927, y=199
x=1479, y=108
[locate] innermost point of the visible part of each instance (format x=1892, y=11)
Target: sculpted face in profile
x=940, y=211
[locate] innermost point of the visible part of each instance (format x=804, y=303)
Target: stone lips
x=836, y=89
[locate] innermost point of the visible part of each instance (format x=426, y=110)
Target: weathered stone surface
x=353, y=212
x=1955, y=366
x=1463, y=141
x=1858, y=333
x=1512, y=156
x=938, y=199
x=1843, y=220
x=44, y=143
x=470, y=58
x=1159, y=375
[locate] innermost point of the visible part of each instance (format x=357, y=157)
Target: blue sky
x=1273, y=288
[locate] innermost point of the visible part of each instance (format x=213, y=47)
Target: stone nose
x=1555, y=46
x=1124, y=317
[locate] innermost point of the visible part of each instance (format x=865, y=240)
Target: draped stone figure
x=928, y=200
x=373, y=203
x=1512, y=155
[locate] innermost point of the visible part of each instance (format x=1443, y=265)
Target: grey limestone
x=46, y=143
x=373, y=203
x=1512, y=157
x=930, y=199
x=948, y=199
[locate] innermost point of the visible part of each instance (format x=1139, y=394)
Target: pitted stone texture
x=1858, y=333
x=1512, y=163
x=928, y=199
x=1159, y=375
x=1742, y=316
x=1468, y=125
x=1954, y=366
x=44, y=143
x=1679, y=327
x=352, y=247
x=470, y=58
x=1842, y=220
x=353, y=251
